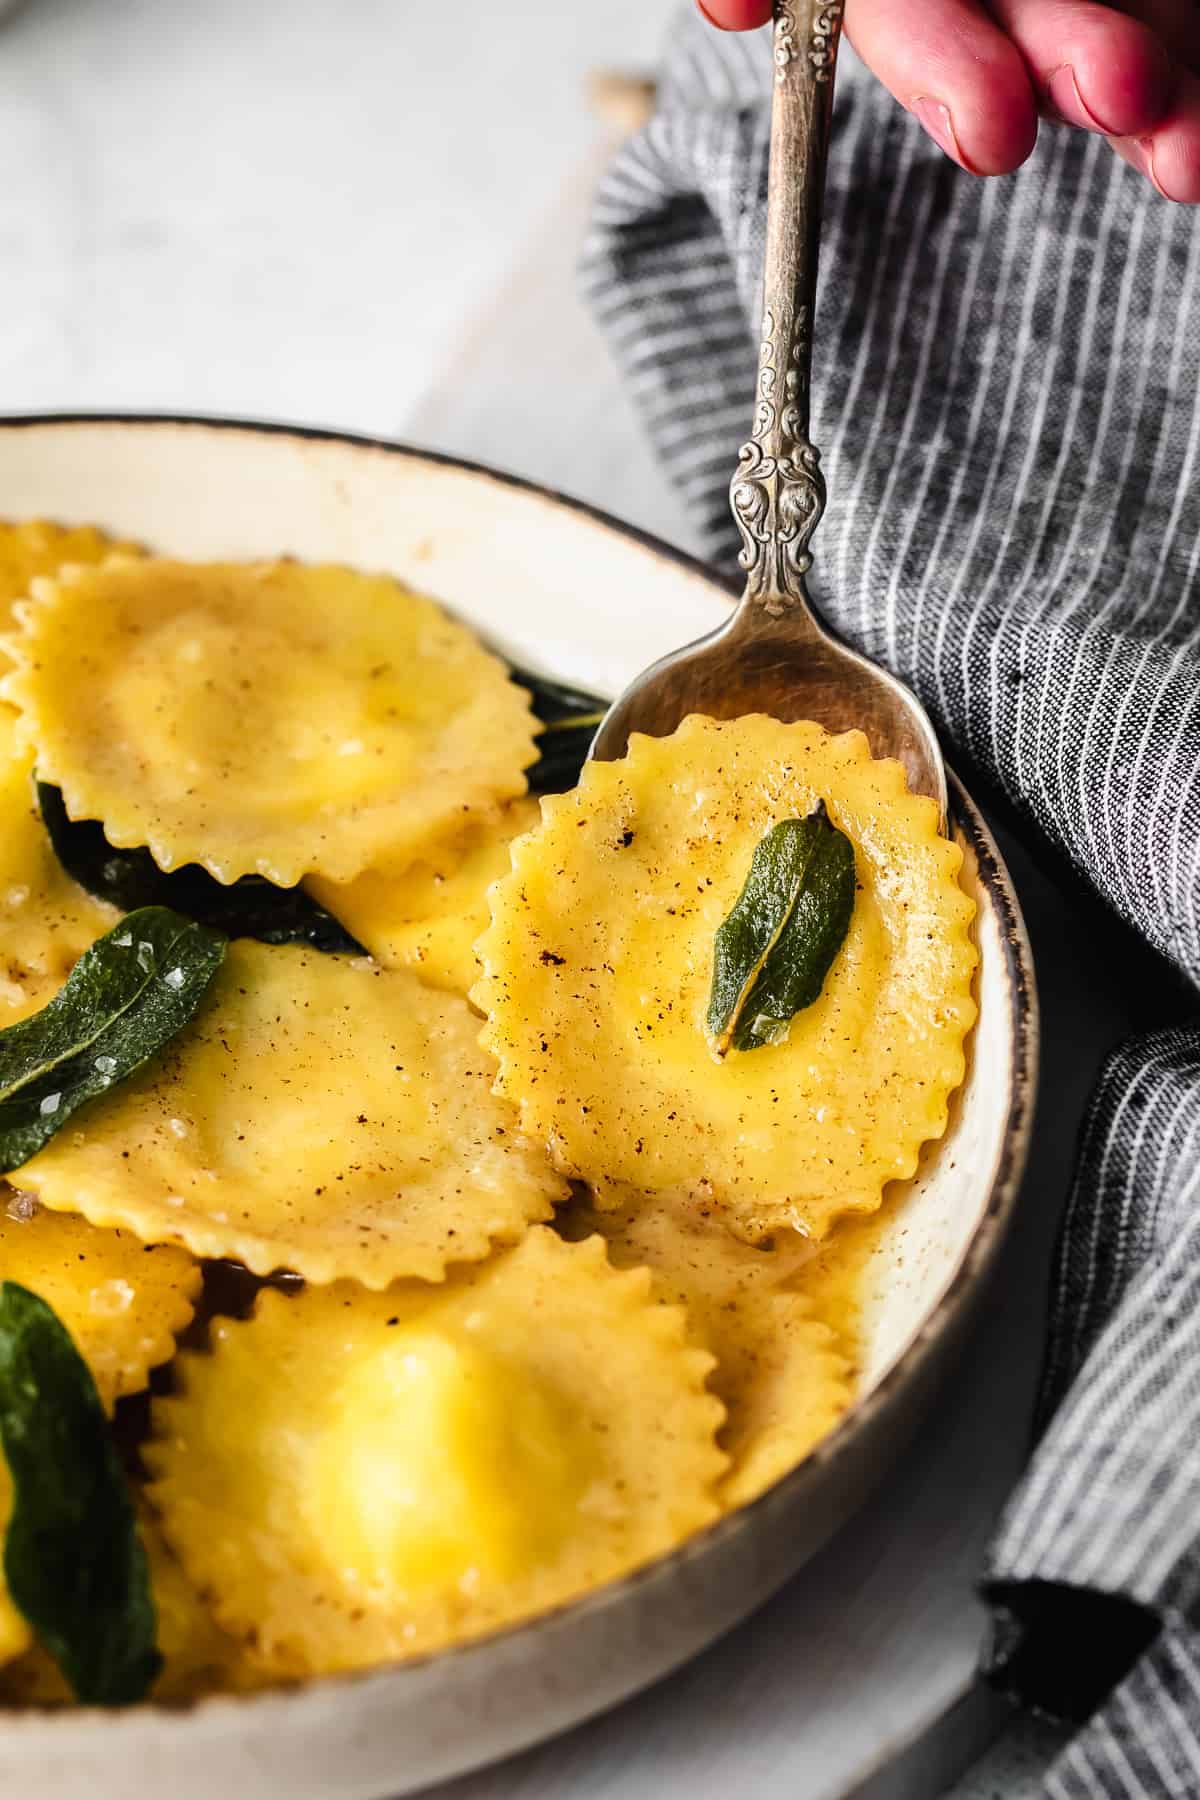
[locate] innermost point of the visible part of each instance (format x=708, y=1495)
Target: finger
x=953, y=67
x=735, y=15
x=1170, y=155
x=1090, y=65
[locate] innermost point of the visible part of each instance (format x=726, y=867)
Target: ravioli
x=198, y=1657
x=264, y=718
x=46, y=920
x=598, y=965
x=427, y=916
x=358, y=1477
x=35, y=547
x=321, y=1115
x=780, y=1373
x=122, y=1301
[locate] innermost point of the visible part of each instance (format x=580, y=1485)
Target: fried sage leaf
x=125, y=998
x=570, y=718
x=73, y=1561
x=773, y=952
x=252, y=907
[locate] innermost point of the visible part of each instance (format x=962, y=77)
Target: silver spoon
x=774, y=656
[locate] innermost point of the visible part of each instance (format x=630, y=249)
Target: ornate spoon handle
x=778, y=493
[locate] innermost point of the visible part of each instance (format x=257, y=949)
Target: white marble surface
x=287, y=208
x=363, y=213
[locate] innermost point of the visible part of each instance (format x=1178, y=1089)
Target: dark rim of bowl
x=963, y=1285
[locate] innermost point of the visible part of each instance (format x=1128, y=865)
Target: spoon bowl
x=792, y=669
x=774, y=656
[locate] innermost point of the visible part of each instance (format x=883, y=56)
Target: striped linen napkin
x=1006, y=393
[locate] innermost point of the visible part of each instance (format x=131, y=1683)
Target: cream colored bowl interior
x=559, y=589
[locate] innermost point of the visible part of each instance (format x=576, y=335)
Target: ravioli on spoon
x=599, y=963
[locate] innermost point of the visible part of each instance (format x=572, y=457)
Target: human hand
x=977, y=76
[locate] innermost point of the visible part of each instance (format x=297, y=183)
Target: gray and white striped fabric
x=1006, y=394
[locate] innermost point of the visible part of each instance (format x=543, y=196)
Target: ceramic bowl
x=575, y=593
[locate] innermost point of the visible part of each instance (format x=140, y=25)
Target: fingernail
x=1068, y=102
x=714, y=22
x=1140, y=152
x=1146, y=148
x=937, y=122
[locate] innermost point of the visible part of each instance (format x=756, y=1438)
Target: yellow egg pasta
x=46, y=920
x=263, y=718
x=782, y=1378
x=598, y=966
x=198, y=1657
x=32, y=1678
x=123, y=1302
x=426, y=916
x=356, y=1477
x=320, y=1114
x=35, y=547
